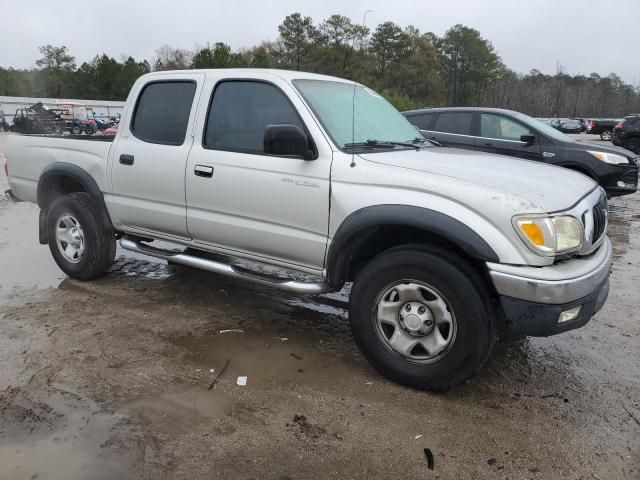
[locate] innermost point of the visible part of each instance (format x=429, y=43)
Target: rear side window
x=422, y=121
x=454, y=122
x=502, y=128
x=240, y=112
x=162, y=112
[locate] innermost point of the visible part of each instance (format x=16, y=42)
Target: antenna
x=353, y=125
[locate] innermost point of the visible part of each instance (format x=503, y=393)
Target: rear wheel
x=422, y=318
x=76, y=130
x=80, y=243
x=633, y=145
x=606, y=135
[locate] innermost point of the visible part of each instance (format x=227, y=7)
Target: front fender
x=345, y=240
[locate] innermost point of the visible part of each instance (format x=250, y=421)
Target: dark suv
x=506, y=132
x=627, y=133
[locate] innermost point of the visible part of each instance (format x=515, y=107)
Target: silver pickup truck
x=323, y=177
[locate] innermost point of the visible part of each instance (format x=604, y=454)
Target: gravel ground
x=109, y=379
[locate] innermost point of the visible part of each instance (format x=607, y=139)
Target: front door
x=240, y=199
x=501, y=135
x=149, y=159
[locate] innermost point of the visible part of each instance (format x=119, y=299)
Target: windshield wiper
x=423, y=140
x=381, y=144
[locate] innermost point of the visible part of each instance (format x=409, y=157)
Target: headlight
x=547, y=235
x=613, y=158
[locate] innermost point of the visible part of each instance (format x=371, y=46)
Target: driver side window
x=240, y=112
x=501, y=128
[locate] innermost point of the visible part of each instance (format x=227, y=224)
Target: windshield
x=544, y=128
x=375, y=118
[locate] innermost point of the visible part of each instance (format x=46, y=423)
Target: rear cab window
x=162, y=112
x=458, y=123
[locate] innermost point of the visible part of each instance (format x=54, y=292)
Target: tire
x=471, y=335
x=633, y=145
x=76, y=130
x=606, y=135
x=90, y=249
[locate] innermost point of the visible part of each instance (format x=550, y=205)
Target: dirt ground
x=109, y=379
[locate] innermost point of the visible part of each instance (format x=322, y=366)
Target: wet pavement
x=110, y=379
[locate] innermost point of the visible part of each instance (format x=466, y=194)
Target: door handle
x=126, y=159
x=203, y=171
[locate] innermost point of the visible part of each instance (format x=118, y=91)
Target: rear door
x=149, y=159
x=500, y=134
x=453, y=129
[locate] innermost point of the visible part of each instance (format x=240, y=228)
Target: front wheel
x=633, y=145
x=606, y=135
x=422, y=319
x=80, y=243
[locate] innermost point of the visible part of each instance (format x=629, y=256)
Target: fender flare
x=344, y=242
x=69, y=170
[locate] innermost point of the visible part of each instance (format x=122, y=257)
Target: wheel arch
x=371, y=230
x=62, y=178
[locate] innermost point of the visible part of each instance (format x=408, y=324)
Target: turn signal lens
x=534, y=232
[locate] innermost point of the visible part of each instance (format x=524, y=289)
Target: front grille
x=599, y=220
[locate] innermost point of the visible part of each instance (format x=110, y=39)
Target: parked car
x=583, y=123
x=323, y=177
x=555, y=123
x=627, y=133
x=515, y=134
x=602, y=127
x=111, y=131
x=570, y=126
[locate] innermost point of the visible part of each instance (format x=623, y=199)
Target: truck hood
x=545, y=187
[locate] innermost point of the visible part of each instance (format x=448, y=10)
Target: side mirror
x=288, y=141
x=528, y=138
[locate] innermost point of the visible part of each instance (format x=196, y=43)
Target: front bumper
x=532, y=299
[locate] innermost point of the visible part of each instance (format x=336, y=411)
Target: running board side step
x=177, y=256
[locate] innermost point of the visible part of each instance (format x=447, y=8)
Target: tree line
x=410, y=68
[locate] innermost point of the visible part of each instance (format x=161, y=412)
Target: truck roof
x=287, y=75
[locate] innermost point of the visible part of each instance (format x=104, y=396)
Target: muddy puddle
x=66, y=438
x=24, y=264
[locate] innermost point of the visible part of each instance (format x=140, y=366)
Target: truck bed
x=28, y=155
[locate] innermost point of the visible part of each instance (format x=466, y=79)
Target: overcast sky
x=584, y=36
